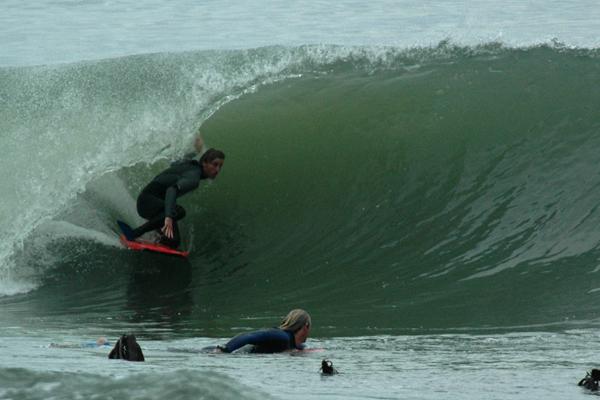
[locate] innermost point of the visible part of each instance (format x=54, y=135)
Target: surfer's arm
x=170, y=199
x=170, y=202
x=199, y=144
x=184, y=184
x=199, y=149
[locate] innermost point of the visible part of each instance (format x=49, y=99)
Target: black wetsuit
x=158, y=199
x=274, y=340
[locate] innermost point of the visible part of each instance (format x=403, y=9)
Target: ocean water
x=420, y=176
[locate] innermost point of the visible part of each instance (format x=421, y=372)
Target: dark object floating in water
x=127, y=348
x=327, y=368
x=591, y=380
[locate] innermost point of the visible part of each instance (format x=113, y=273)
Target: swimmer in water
x=100, y=342
x=290, y=335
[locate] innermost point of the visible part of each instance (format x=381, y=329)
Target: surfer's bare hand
x=167, y=229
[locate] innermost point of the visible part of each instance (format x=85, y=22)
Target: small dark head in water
x=327, y=368
x=591, y=380
x=127, y=348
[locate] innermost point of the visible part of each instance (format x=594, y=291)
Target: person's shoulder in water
x=98, y=343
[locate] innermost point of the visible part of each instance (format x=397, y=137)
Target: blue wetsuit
x=272, y=340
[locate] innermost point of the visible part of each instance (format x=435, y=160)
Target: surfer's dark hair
x=211, y=155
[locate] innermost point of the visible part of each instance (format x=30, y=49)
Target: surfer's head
x=297, y=321
x=212, y=162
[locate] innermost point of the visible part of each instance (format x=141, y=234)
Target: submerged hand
x=167, y=229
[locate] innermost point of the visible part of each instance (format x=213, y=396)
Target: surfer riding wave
x=157, y=202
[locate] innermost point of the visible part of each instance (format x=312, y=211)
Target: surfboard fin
x=127, y=230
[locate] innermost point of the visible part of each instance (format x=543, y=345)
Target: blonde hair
x=295, y=320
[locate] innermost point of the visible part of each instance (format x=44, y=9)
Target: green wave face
x=439, y=189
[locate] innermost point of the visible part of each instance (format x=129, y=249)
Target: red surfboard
x=140, y=244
